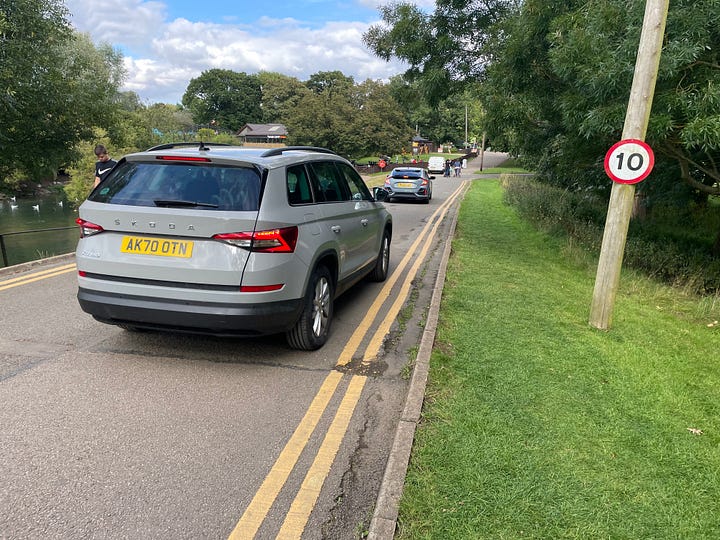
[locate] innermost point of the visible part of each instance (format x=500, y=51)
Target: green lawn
x=508, y=167
x=536, y=425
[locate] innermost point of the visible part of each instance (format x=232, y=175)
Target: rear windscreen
x=173, y=185
x=406, y=174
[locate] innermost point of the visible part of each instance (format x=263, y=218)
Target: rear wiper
x=169, y=203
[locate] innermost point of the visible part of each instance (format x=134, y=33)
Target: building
x=263, y=134
x=421, y=145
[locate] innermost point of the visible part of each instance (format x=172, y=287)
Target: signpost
x=627, y=163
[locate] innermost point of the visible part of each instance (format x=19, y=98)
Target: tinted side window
x=169, y=184
x=327, y=182
x=298, y=185
x=357, y=187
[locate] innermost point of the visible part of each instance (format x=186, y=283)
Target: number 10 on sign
x=629, y=161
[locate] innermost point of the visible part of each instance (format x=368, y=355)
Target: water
x=53, y=211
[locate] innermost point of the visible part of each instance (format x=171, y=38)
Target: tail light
x=270, y=241
x=424, y=182
x=87, y=228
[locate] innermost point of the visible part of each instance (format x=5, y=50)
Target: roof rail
x=279, y=151
x=200, y=144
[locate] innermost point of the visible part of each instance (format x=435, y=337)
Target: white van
x=436, y=164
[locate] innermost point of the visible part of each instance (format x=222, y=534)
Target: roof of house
x=263, y=130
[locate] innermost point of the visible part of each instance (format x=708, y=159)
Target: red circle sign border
x=644, y=175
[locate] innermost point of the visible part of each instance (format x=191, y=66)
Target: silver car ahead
x=409, y=183
x=229, y=241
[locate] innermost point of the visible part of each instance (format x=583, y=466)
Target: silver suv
x=225, y=240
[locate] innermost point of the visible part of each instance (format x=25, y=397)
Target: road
x=112, y=434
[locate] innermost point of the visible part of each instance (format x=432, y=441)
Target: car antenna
x=203, y=148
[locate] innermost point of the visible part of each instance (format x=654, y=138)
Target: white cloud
x=161, y=56
x=127, y=22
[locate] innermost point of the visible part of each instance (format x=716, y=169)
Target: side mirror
x=380, y=194
x=432, y=178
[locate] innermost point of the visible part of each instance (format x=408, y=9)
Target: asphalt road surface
x=112, y=434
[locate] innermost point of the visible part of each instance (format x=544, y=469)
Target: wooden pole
x=607, y=279
x=482, y=151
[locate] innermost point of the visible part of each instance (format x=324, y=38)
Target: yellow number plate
x=156, y=246
x=405, y=184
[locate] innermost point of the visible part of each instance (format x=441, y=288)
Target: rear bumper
x=213, y=318
x=416, y=195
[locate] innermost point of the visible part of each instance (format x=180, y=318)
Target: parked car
x=225, y=240
x=436, y=164
x=409, y=183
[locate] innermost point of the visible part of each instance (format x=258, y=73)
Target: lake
x=41, y=212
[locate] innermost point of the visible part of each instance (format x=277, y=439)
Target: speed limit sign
x=629, y=161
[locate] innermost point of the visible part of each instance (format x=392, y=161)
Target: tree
x=280, y=95
x=32, y=33
x=380, y=122
x=558, y=90
x=445, y=121
x=325, y=119
x=225, y=99
x=55, y=85
x=93, y=75
x=556, y=77
x=445, y=49
x=354, y=120
x=329, y=82
x=171, y=120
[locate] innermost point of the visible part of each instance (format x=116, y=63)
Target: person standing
x=456, y=166
x=103, y=165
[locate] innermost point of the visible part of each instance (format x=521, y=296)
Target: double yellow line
x=36, y=276
x=304, y=502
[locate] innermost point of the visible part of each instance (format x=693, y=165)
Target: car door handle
x=335, y=228
x=364, y=222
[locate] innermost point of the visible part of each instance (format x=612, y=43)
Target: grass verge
x=536, y=425
x=510, y=166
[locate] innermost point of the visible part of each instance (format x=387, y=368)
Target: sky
x=167, y=43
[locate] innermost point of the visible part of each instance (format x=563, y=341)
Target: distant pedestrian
x=456, y=166
x=103, y=165
x=447, y=168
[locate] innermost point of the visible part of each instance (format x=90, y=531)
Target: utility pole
x=621, y=198
x=466, y=126
x=482, y=151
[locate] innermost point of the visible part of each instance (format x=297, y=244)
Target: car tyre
x=312, y=328
x=382, y=264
